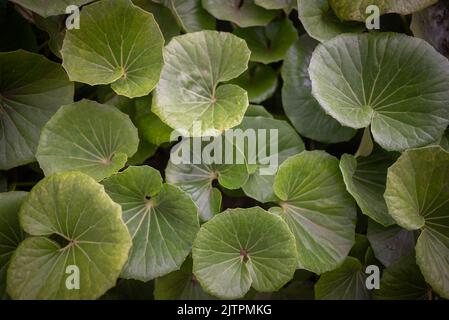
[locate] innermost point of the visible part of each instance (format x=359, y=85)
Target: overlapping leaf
x=162, y=221
x=11, y=233
x=189, y=92
x=31, y=90
x=317, y=208
x=357, y=9
x=320, y=21
x=392, y=82
x=89, y=137
x=244, y=13
x=47, y=8
x=300, y=106
x=118, y=44
x=73, y=223
x=417, y=197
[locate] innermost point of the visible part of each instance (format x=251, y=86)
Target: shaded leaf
x=32, y=89
x=47, y=8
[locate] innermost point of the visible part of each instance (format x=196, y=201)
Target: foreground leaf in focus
x=394, y=82
x=86, y=136
x=189, y=92
x=32, y=89
x=161, y=219
x=72, y=223
x=240, y=248
x=417, y=196
x=317, y=208
x=117, y=43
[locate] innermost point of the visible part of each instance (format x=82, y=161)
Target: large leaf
x=287, y=142
x=432, y=25
x=365, y=179
x=417, y=197
x=10, y=232
x=162, y=221
x=347, y=282
x=269, y=44
x=259, y=81
x=390, y=243
x=189, y=14
x=89, y=137
x=31, y=90
x=198, y=175
x=402, y=281
x=72, y=222
x=394, y=82
x=189, y=92
x=180, y=285
x=300, y=106
x=320, y=21
x=240, y=248
x=244, y=13
x=356, y=9
x=118, y=44
x=317, y=208
x=47, y=8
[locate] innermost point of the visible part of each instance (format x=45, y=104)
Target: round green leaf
x=89, y=137
x=31, y=90
x=180, y=285
x=356, y=9
x=240, y=248
x=190, y=15
x=394, y=82
x=389, y=243
x=317, y=208
x=47, y=8
x=189, y=92
x=402, y=281
x=365, y=179
x=417, y=197
x=118, y=44
x=301, y=108
x=320, y=21
x=244, y=13
x=432, y=25
x=10, y=232
x=259, y=186
x=269, y=44
x=196, y=176
x=75, y=210
x=161, y=219
x=259, y=81
x=347, y=282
